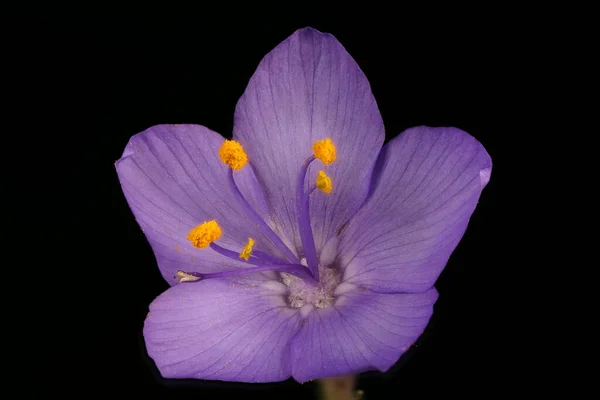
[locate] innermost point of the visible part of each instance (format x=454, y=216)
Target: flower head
x=272, y=278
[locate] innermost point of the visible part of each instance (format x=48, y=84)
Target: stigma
x=247, y=251
x=204, y=234
x=323, y=182
x=232, y=153
x=324, y=150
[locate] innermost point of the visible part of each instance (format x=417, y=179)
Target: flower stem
x=339, y=388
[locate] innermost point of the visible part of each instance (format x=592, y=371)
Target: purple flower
x=303, y=247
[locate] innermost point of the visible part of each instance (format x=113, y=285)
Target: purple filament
x=267, y=258
x=294, y=269
x=303, y=213
x=256, y=258
x=261, y=224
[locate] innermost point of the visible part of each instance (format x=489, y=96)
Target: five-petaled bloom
x=272, y=278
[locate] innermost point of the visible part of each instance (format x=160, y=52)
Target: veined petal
x=362, y=331
x=220, y=330
x=173, y=180
x=307, y=89
x=427, y=185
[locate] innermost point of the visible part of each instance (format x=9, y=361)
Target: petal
x=307, y=89
x=221, y=331
x=362, y=331
x=426, y=188
x=173, y=180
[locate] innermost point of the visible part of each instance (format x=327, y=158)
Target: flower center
x=305, y=284
x=321, y=295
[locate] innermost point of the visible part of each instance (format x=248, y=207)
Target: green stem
x=339, y=388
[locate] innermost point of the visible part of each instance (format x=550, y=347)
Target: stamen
x=233, y=255
x=247, y=251
x=303, y=214
x=324, y=150
x=293, y=269
x=204, y=234
x=232, y=153
x=260, y=223
x=324, y=182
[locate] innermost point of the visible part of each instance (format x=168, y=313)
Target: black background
x=131, y=73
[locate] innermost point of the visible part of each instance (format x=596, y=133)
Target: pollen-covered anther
x=323, y=182
x=204, y=234
x=247, y=251
x=182, y=276
x=232, y=153
x=324, y=150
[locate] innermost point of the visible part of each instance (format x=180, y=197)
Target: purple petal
x=173, y=180
x=363, y=331
x=427, y=187
x=307, y=89
x=221, y=331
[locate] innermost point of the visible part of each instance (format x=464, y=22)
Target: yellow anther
x=232, y=153
x=324, y=151
x=204, y=234
x=324, y=182
x=182, y=276
x=245, y=254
